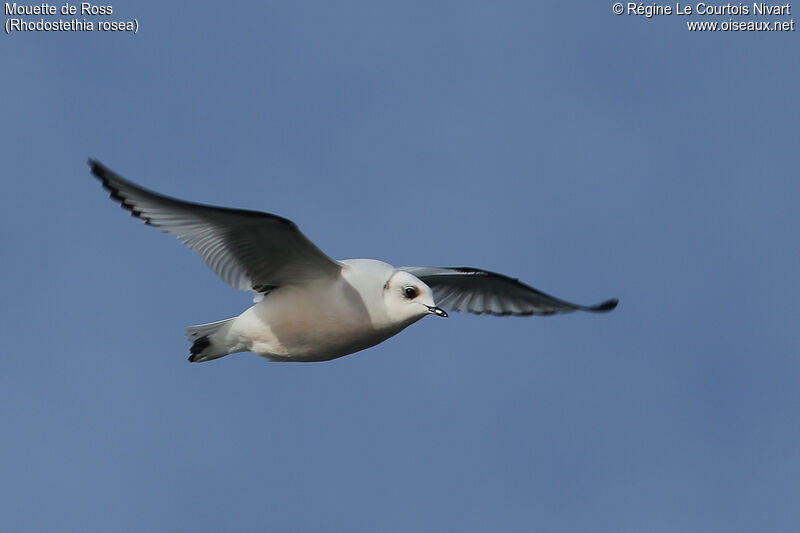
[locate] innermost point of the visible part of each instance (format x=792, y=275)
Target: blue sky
x=589, y=154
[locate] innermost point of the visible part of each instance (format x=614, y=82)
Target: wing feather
x=245, y=248
x=478, y=291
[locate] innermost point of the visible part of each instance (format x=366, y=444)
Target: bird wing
x=479, y=291
x=250, y=250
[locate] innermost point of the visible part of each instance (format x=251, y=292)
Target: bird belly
x=290, y=326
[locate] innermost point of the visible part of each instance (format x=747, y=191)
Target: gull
x=309, y=307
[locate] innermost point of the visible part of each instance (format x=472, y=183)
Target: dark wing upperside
x=250, y=250
x=472, y=290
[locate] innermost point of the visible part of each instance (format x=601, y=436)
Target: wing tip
x=101, y=172
x=604, y=307
x=96, y=167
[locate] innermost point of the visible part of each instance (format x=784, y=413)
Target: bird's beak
x=437, y=311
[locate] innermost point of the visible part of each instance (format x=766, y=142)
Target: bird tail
x=203, y=345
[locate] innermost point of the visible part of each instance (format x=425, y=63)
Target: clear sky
x=589, y=154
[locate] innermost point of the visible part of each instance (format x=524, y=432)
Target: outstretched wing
x=479, y=291
x=250, y=250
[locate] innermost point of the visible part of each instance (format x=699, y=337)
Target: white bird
x=309, y=307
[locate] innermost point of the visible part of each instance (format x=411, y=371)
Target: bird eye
x=410, y=292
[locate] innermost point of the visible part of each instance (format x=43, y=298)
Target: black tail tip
x=608, y=305
x=197, y=347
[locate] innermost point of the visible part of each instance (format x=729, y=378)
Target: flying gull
x=309, y=307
